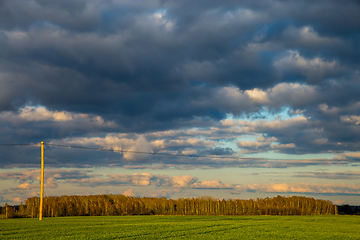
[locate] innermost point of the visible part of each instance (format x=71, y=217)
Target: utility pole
x=42, y=182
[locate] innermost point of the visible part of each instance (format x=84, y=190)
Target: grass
x=183, y=227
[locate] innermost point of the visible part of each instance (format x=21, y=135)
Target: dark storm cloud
x=163, y=65
x=162, y=48
x=218, y=151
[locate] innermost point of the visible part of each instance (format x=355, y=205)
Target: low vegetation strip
x=117, y=205
x=183, y=227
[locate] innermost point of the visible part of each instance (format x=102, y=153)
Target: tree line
x=349, y=210
x=119, y=205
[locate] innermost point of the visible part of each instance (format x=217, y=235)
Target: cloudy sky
x=267, y=93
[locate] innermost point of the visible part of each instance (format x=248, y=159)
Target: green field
x=183, y=227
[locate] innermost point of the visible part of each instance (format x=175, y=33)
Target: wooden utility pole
x=42, y=182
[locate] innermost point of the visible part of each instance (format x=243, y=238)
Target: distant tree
x=101, y=205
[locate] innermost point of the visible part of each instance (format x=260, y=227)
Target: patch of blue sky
x=265, y=114
x=285, y=156
x=31, y=105
x=161, y=11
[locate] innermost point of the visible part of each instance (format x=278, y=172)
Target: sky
x=267, y=93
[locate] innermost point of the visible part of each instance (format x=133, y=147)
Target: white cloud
x=313, y=69
x=142, y=179
x=262, y=144
x=295, y=95
x=329, y=111
x=350, y=119
x=138, y=179
x=183, y=181
x=232, y=98
x=26, y=179
x=258, y=126
x=17, y=199
x=39, y=114
x=306, y=36
x=42, y=114
x=146, y=143
x=252, y=144
x=214, y=184
x=258, y=96
x=26, y=186
x=129, y=193
x=118, y=142
x=316, y=188
x=351, y=154
x=292, y=93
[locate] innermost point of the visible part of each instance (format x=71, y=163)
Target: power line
x=19, y=144
x=121, y=151
x=136, y=152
